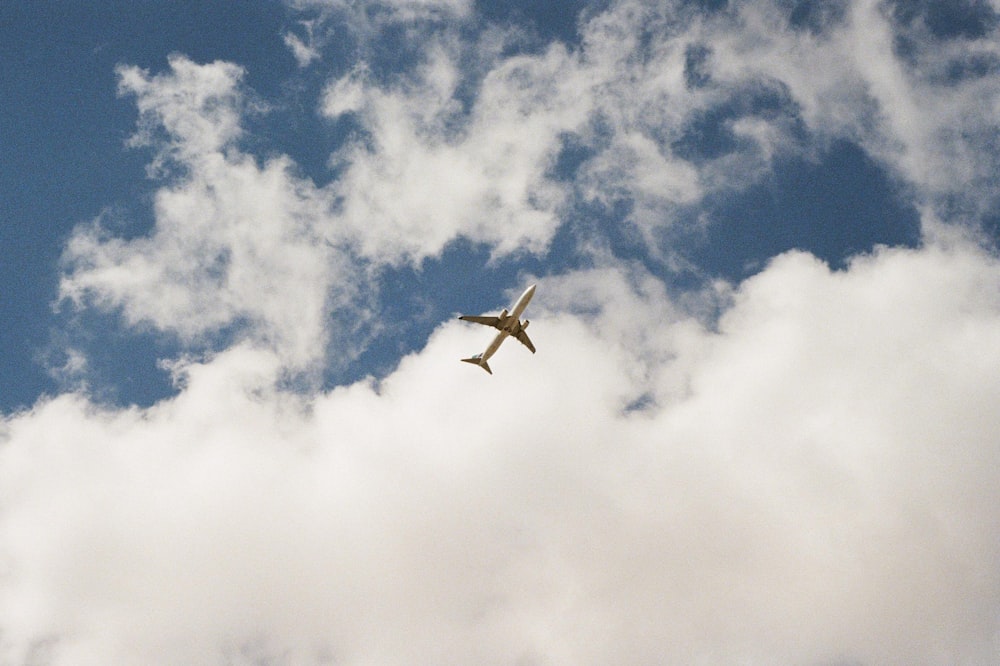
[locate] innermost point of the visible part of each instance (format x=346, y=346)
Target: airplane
x=507, y=324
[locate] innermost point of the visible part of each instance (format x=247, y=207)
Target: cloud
x=198, y=107
x=796, y=469
x=305, y=52
x=364, y=21
x=891, y=85
x=810, y=481
x=403, y=10
x=233, y=238
x=659, y=107
x=426, y=172
x=767, y=88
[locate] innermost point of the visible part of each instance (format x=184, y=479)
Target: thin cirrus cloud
x=798, y=468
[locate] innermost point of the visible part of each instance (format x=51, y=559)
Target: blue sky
x=233, y=241
x=66, y=128
x=64, y=133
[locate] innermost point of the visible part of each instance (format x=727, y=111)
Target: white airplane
x=507, y=324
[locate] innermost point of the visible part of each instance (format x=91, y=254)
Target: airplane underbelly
x=497, y=341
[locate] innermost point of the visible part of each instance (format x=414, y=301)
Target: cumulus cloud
x=813, y=480
x=426, y=172
x=233, y=238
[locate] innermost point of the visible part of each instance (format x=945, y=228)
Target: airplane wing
x=486, y=321
x=523, y=338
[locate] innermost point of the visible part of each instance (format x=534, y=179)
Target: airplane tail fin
x=476, y=360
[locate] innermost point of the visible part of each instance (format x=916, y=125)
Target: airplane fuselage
x=507, y=324
x=511, y=323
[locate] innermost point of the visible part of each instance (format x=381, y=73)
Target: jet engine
x=503, y=314
x=524, y=324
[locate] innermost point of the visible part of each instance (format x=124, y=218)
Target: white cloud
x=812, y=482
x=467, y=144
x=198, y=106
x=765, y=90
x=808, y=478
x=237, y=246
x=426, y=172
x=408, y=10
x=364, y=19
x=305, y=52
x=852, y=80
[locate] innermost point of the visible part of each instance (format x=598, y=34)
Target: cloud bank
x=813, y=481
x=799, y=468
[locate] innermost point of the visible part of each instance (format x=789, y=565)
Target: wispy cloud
x=666, y=104
x=305, y=50
x=238, y=246
x=427, y=171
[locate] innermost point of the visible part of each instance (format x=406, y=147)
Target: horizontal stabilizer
x=476, y=360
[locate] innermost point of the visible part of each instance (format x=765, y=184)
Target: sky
x=762, y=423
